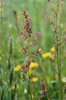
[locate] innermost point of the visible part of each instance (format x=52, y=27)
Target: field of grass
x=32, y=50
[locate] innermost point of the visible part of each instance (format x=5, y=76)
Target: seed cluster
x=43, y=90
x=27, y=23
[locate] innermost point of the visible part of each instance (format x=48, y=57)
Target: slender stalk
x=16, y=21
x=59, y=56
x=48, y=97
x=43, y=72
x=12, y=92
x=29, y=90
x=2, y=95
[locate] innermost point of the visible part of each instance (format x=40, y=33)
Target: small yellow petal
x=46, y=55
x=17, y=68
x=33, y=65
x=34, y=79
x=52, y=49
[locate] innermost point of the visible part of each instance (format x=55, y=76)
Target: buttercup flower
x=46, y=55
x=52, y=49
x=33, y=65
x=34, y=79
x=17, y=68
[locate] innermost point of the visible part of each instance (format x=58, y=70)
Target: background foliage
x=37, y=11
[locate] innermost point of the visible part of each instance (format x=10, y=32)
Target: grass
x=45, y=48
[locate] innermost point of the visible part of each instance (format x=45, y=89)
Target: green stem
x=10, y=70
x=29, y=88
x=59, y=76
x=59, y=56
x=48, y=96
x=2, y=95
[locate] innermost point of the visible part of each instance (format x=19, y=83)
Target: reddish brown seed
x=37, y=36
x=25, y=49
x=24, y=36
x=27, y=23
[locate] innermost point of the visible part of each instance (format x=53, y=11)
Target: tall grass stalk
x=58, y=42
x=59, y=53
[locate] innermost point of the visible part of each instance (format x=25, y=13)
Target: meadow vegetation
x=32, y=50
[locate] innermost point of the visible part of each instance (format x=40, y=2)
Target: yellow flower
x=17, y=68
x=52, y=49
x=33, y=65
x=34, y=79
x=46, y=55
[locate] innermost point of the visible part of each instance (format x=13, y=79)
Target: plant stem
x=29, y=88
x=2, y=95
x=59, y=76
x=59, y=56
x=48, y=96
